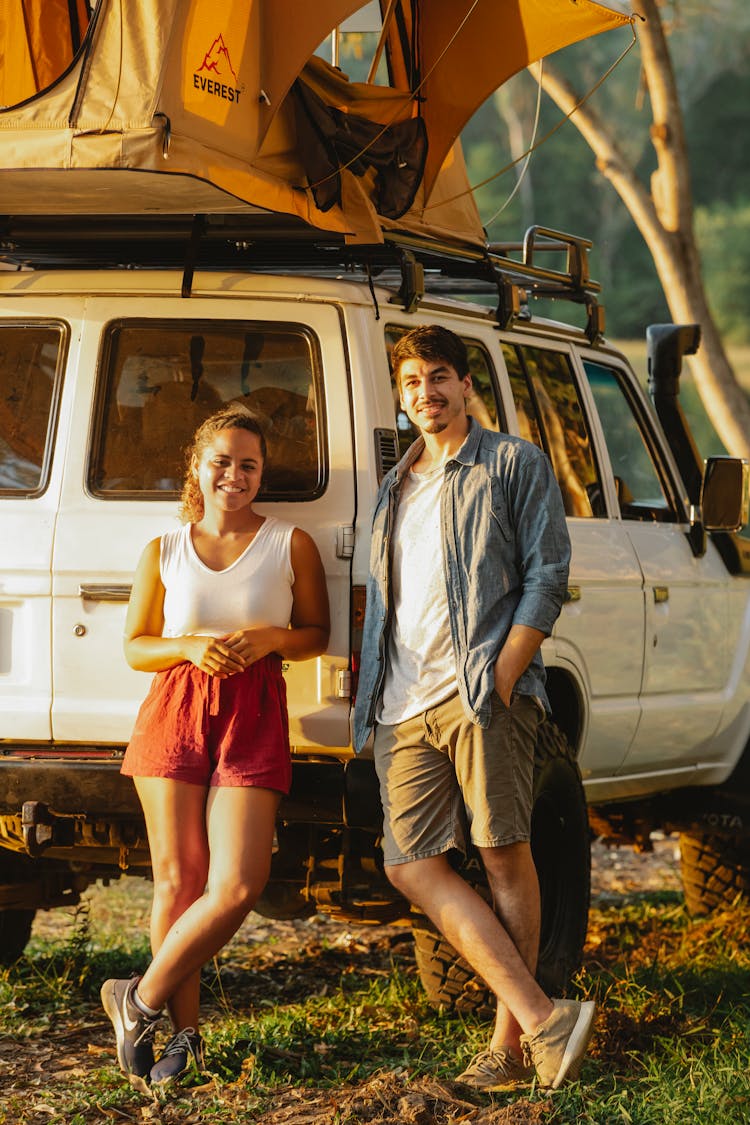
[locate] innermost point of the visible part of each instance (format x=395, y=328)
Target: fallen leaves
x=395, y=1098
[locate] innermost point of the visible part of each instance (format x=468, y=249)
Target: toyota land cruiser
x=118, y=336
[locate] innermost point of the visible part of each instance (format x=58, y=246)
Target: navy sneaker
x=183, y=1051
x=133, y=1029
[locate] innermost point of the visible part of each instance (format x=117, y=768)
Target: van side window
x=528, y=422
x=481, y=404
x=640, y=481
x=551, y=415
x=159, y=380
x=31, y=364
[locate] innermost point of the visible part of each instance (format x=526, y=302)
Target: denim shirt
x=506, y=554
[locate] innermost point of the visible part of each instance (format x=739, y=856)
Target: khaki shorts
x=440, y=774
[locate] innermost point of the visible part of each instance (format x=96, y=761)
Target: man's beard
x=434, y=426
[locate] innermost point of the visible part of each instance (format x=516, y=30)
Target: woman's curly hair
x=231, y=417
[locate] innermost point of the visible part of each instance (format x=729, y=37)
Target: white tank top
x=255, y=590
x=421, y=666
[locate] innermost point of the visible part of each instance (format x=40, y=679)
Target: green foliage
x=715, y=126
x=564, y=190
x=672, y=1043
x=723, y=232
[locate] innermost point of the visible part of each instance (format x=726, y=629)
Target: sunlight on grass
x=672, y=1045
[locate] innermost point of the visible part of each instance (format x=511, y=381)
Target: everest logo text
x=216, y=74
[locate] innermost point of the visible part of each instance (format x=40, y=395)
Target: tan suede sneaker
x=557, y=1047
x=491, y=1071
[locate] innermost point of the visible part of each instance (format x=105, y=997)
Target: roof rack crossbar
x=574, y=282
x=191, y=254
x=411, y=290
x=267, y=243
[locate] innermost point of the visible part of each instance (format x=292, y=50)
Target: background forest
x=560, y=186
x=710, y=48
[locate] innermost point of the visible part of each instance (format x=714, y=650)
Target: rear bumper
x=332, y=792
x=94, y=789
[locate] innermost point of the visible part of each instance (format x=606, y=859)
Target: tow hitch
x=41, y=828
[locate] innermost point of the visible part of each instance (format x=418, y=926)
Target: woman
x=215, y=607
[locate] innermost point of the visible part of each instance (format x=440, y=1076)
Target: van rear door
x=151, y=369
x=34, y=347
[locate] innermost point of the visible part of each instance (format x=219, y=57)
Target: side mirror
x=725, y=494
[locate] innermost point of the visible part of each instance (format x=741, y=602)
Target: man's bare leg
x=471, y=926
x=515, y=892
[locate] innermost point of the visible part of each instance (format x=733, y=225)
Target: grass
x=320, y=1029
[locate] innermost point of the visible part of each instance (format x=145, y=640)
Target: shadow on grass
x=324, y=1023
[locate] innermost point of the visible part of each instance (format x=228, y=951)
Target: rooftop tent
x=38, y=40
x=459, y=53
x=186, y=106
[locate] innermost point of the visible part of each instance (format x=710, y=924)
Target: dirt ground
x=614, y=872
x=35, y=1066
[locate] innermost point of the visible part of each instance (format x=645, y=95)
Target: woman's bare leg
x=240, y=824
x=175, y=813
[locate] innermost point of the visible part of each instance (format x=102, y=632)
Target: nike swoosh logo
x=128, y=1023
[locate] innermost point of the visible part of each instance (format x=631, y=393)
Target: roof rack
x=513, y=280
x=265, y=242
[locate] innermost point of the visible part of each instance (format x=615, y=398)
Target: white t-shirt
x=255, y=590
x=421, y=666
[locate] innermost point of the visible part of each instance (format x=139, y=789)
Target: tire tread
x=715, y=871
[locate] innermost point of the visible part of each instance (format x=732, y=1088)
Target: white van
x=113, y=349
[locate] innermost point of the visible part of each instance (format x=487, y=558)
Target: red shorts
x=210, y=731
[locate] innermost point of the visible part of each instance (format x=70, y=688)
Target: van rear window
x=31, y=364
x=159, y=380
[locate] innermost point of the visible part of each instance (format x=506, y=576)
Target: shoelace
x=148, y=1032
x=181, y=1043
x=489, y=1062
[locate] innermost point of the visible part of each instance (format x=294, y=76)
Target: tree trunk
x=664, y=216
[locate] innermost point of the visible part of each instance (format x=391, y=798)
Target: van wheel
x=15, y=924
x=715, y=870
x=560, y=844
x=15, y=931
x=283, y=903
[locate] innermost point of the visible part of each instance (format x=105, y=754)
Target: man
x=468, y=572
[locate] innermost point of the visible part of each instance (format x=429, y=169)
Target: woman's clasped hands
x=224, y=656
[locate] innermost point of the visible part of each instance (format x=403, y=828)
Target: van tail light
x=356, y=627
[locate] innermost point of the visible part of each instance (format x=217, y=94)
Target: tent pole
x=387, y=19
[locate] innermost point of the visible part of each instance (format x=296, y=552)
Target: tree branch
x=610, y=159
x=670, y=183
x=665, y=219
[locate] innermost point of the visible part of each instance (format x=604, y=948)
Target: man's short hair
x=433, y=343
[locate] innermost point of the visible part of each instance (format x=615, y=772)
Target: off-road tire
x=15, y=931
x=15, y=924
x=561, y=847
x=283, y=903
x=715, y=870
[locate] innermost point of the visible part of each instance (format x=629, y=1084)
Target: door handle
x=104, y=592
x=573, y=594
x=661, y=594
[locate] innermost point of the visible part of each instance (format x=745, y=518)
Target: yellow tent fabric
x=463, y=61
x=38, y=39
x=190, y=106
